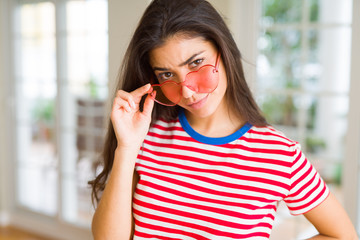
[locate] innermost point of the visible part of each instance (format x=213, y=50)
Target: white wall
x=351, y=176
x=3, y=115
x=123, y=19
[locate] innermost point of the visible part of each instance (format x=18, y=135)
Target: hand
x=131, y=125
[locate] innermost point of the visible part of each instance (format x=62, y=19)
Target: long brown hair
x=161, y=20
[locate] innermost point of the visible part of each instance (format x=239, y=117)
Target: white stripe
x=310, y=188
x=260, y=211
x=156, y=232
x=314, y=204
x=221, y=165
x=205, y=194
x=271, y=158
x=200, y=222
x=222, y=178
x=210, y=185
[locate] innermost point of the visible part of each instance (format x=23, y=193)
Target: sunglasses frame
x=215, y=70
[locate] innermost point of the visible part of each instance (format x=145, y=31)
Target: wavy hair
x=161, y=20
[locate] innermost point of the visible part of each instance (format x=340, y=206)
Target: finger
x=141, y=91
x=149, y=104
x=120, y=103
x=126, y=96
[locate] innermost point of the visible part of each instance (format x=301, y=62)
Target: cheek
x=222, y=82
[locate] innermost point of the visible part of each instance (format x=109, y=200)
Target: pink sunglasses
x=204, y=80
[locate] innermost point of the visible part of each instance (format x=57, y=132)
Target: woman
x=201, y=163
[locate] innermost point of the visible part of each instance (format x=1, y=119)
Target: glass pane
x=331, y=11
x=280, y=11
x=78, y=208
x=37, y=59
x=87, y=43
x=279, y=63
x=87, y=16
x=281, y=110
x=88, y=59
x=83, y=148
x=80, y=165
x=37, y=20
x=37, y=177
x=328, y=70
x=326, y=126
x=83, y=97
x=37, y=158
x=37, y=186
x=37, y=43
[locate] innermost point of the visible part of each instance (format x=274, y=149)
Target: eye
x=196, y=63
x=165, y=76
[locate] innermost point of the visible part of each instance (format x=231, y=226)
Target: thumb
x=148, y=105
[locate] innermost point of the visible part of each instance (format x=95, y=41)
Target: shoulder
x=272, y=143
x=270, y=135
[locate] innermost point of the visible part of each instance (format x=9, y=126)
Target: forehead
x=178, y=49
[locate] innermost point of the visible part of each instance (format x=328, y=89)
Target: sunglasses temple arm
x=217, y=61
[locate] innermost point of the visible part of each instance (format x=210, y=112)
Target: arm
x=113, y=217
x=331, y=221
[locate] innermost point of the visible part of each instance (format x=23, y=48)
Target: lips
x=198, y=104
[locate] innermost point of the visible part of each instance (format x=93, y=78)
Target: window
x=303, y=77
x=61, y=77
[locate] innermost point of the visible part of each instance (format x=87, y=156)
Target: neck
x=221, y=123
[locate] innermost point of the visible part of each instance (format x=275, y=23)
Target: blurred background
x=58, y=66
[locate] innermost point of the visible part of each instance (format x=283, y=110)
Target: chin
x=203, y=112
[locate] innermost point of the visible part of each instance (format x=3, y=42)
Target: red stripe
x=307, y=184
x=168, y=128
x=206, y=190
x=218, y=182
x=194, y=226
x=304, y=206
x=205, y=199
x=145, y=235
x=218, y=172
x=205, y=208
x=238, y=146
x=171, y=136
x=309, y=192
x=163, y=229
x=269, y=133
x=298, y=158
x=224, y=163
x=216, y=154
x=198, y=217
x=190, y=139
x=267, y=141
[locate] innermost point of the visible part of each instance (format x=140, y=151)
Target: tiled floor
x=10, y=233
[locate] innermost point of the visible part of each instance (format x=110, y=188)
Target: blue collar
x=210, y=140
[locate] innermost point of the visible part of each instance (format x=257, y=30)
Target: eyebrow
x=189, y=60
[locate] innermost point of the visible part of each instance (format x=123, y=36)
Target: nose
x=187, y=92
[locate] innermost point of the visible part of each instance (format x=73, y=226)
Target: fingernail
x=153, y=94
x=150, y=90
x=132, y=104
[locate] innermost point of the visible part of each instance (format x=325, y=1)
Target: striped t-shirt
x=195, y=187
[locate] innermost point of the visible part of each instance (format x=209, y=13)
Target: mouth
x=199, y=103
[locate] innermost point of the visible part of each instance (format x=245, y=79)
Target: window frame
x=351, y=180
x=17, y=215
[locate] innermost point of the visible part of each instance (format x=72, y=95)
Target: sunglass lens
x=168, y=93
x=205, y=80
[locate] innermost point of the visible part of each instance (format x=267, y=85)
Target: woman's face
x=180, y=55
